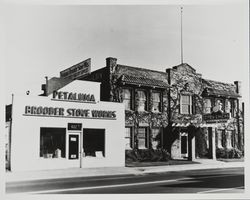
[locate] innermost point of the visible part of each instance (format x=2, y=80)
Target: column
x=191, y=145
x=212, y=147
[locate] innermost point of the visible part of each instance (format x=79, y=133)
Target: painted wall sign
x=71, y=96
x=78, y=70
x=74, y=126
x=70, y=112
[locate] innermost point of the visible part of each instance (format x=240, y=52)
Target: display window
x=52, y=142
x=94, y=142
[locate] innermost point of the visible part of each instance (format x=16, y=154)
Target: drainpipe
x=46, y=86
x=10, y=134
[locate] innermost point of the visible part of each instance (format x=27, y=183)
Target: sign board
x=45, y=111
x=73, y=96
x=74, y=126
x=78, y=70
x=216, y=117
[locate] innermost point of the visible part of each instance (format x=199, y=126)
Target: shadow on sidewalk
x=162, y=163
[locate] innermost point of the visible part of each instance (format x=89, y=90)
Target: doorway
x=184, y=145
x=73, y=146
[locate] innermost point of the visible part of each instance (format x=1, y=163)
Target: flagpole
x=181, y=39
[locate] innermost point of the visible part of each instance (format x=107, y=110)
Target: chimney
x=238, y=87
x=111, y=63
x=168, y=71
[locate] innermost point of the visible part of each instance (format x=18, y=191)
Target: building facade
x=177, y=110
x=70, y=127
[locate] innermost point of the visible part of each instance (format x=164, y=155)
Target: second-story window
x=127, y=98
x=186, y=104
x=156, y=102
x=142, y=100
x=207, y=106
x=228, y=106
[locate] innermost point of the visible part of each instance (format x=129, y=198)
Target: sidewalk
x=106, y=171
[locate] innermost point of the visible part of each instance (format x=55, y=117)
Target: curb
x=88, y=173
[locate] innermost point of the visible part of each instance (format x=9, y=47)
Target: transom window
x=186, y=104
x=127, y=98
x=142, y=100
x=156, y=102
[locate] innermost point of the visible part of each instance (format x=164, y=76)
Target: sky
x=42, y=39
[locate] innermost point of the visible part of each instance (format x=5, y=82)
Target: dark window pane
x=93, y=141
x=52, y=142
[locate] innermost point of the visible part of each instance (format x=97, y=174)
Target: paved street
x=230, y=180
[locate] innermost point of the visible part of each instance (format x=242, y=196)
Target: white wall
x=26, y=134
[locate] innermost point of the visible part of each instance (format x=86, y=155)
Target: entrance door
x=73, y=146
x=184, y=145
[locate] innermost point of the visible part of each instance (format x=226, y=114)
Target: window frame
x=146, y=137
x=211, y=102
x=190, y=105
x=131, y=97
x=130, y=138
x=137, y=100
x=101, y=131
x=160, y=135
x=63, y=152
x=160, y=102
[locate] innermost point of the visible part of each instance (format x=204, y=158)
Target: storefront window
x=207, y=106
x=186, y=104
x=156, y=102
x=155, y=137
x=94, y=142
x=52, y=142
x=142, y=100
x=128, y=137
x=142, y=133
x=127, y=99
